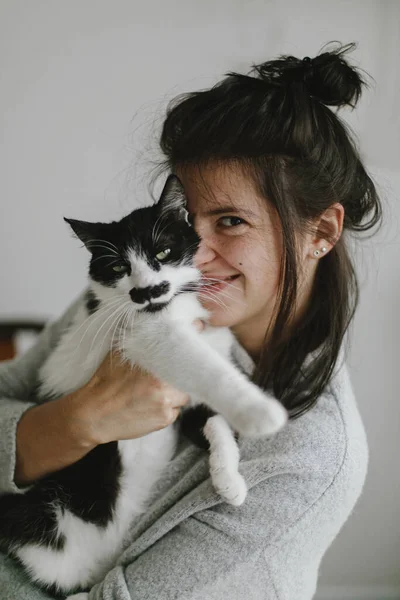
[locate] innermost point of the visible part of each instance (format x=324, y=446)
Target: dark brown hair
x=275, y=123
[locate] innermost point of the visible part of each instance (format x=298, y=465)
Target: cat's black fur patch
x=141, y=295
x=93, y=498
x=191, y=423
x=154, y=307
x=87, y=488
x=91, y=301
x=26, y=518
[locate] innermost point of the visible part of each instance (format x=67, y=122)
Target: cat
x=68, y=528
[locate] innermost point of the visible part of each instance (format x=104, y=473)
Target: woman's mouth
x=211, y=285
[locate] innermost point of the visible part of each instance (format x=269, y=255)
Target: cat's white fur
x=166, y=344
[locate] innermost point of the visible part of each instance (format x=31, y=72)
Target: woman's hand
x=120, y=402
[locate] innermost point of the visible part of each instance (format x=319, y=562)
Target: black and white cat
x=68, y=529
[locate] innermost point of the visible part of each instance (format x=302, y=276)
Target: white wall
x=83, y=85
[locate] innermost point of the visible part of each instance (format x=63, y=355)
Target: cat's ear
x=85, y=231
x=173, y=199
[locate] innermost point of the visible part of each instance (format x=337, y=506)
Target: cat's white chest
x=143, y=460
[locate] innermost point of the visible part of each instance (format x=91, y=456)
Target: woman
x=273, y=183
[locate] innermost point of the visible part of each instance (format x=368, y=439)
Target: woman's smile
x=212, y=284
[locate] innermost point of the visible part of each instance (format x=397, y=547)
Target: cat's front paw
x=230, y=486
x=80, y=596
x=261, y=415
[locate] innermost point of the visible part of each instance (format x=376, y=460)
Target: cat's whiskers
x=213, y=296
x=99, y=312
x=191, y=288
x=154, y=233
x=226, y=294
x=194, y=245
x=125, y=324
x=106, y=256
x=209, y=289
x=114, y=323
x=90, y=324
x=130, y=327
x=123, y=327
x=206, y=280
x=90, y=245
x=155, y=230
x=197, y=288
x=101, y=327
x=113, y=261
x=117, y=328
x=220, y=303
x=92, y=318
x=224, y=291
x=122, y=330
x=159, y=233
x=106, y=242
x=216, y=296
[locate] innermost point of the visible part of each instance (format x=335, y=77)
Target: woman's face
x=241, y=239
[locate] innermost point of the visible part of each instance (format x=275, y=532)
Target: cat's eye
x=163, y=254
x=120, y=268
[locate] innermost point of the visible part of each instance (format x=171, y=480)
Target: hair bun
x=328, y=77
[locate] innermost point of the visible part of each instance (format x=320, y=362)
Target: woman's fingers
x=199, y=325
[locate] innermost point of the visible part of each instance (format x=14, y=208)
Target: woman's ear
x=328, y=229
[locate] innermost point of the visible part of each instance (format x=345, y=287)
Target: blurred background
x=84, y=86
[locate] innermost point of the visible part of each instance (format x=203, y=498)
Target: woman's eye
x=231, y=221
x=120, y=268
x=163, y=254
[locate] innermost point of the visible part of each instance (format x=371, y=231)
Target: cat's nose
x=145, y=294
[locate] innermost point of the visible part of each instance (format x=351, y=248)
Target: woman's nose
x=204, y=255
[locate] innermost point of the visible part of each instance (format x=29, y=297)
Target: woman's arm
x=49, y=437
x=17, y=382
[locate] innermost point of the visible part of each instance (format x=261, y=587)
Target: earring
x=317, y=252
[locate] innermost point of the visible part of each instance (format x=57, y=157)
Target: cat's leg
x=224, y=461
x=177, y=354
x=80, y=596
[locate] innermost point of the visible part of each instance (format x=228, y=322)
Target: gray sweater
x=303, y=485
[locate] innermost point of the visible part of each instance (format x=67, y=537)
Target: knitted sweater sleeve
x=17, y=382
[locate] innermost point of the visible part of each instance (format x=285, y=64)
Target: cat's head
x=146, y=258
